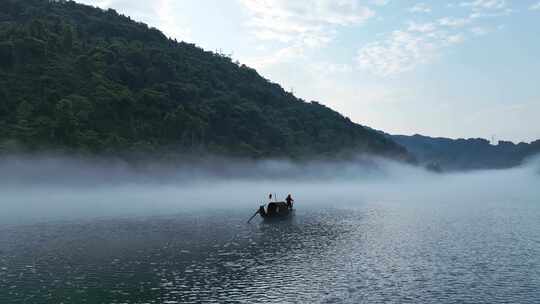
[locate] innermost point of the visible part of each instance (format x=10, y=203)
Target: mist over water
x=55, y=188
x=365, y=231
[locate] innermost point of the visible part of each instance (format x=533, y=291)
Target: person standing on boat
x=289, y=201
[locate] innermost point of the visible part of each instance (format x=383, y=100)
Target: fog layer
x=56, y=188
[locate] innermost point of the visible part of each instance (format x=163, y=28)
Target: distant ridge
x=82, y=79
x=466, y=154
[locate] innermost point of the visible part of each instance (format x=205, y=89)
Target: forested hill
x=78, y=78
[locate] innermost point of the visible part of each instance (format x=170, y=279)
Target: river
x=476, y=241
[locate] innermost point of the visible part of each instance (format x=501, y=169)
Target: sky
x=458, y=69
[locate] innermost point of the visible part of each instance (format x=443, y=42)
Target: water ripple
x=373, y=254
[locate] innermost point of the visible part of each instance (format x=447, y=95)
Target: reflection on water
x=378, y=253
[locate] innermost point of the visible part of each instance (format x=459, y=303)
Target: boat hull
x=279, y=217
x=275, y=211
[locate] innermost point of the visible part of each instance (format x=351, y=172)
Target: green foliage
x=84, y=79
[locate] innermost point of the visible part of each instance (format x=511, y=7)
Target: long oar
x=256, y=212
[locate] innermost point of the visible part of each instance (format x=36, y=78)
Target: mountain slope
x=78, y=78
x=466, y=154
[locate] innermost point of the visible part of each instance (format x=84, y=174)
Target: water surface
x=370, y=252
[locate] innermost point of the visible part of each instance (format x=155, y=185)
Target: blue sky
x=465, y=68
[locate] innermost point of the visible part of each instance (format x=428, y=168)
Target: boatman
x=289, y=201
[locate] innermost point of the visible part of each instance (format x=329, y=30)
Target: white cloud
x=421, y=27
x=420, y=8
x=300, y=25
x=454, y=22
x=329, y=68
x=380, y=2
x=404, y=50
x=310, y=23
x=455, y=39
x=535, y=7
x=159, y=14
x=401, y=52
x=168, y=22
x=281, y=55
x=479, y=31
x=481, y=5
x=419, y=43
x=487, y=8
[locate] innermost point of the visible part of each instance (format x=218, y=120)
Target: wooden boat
x=274, y=211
